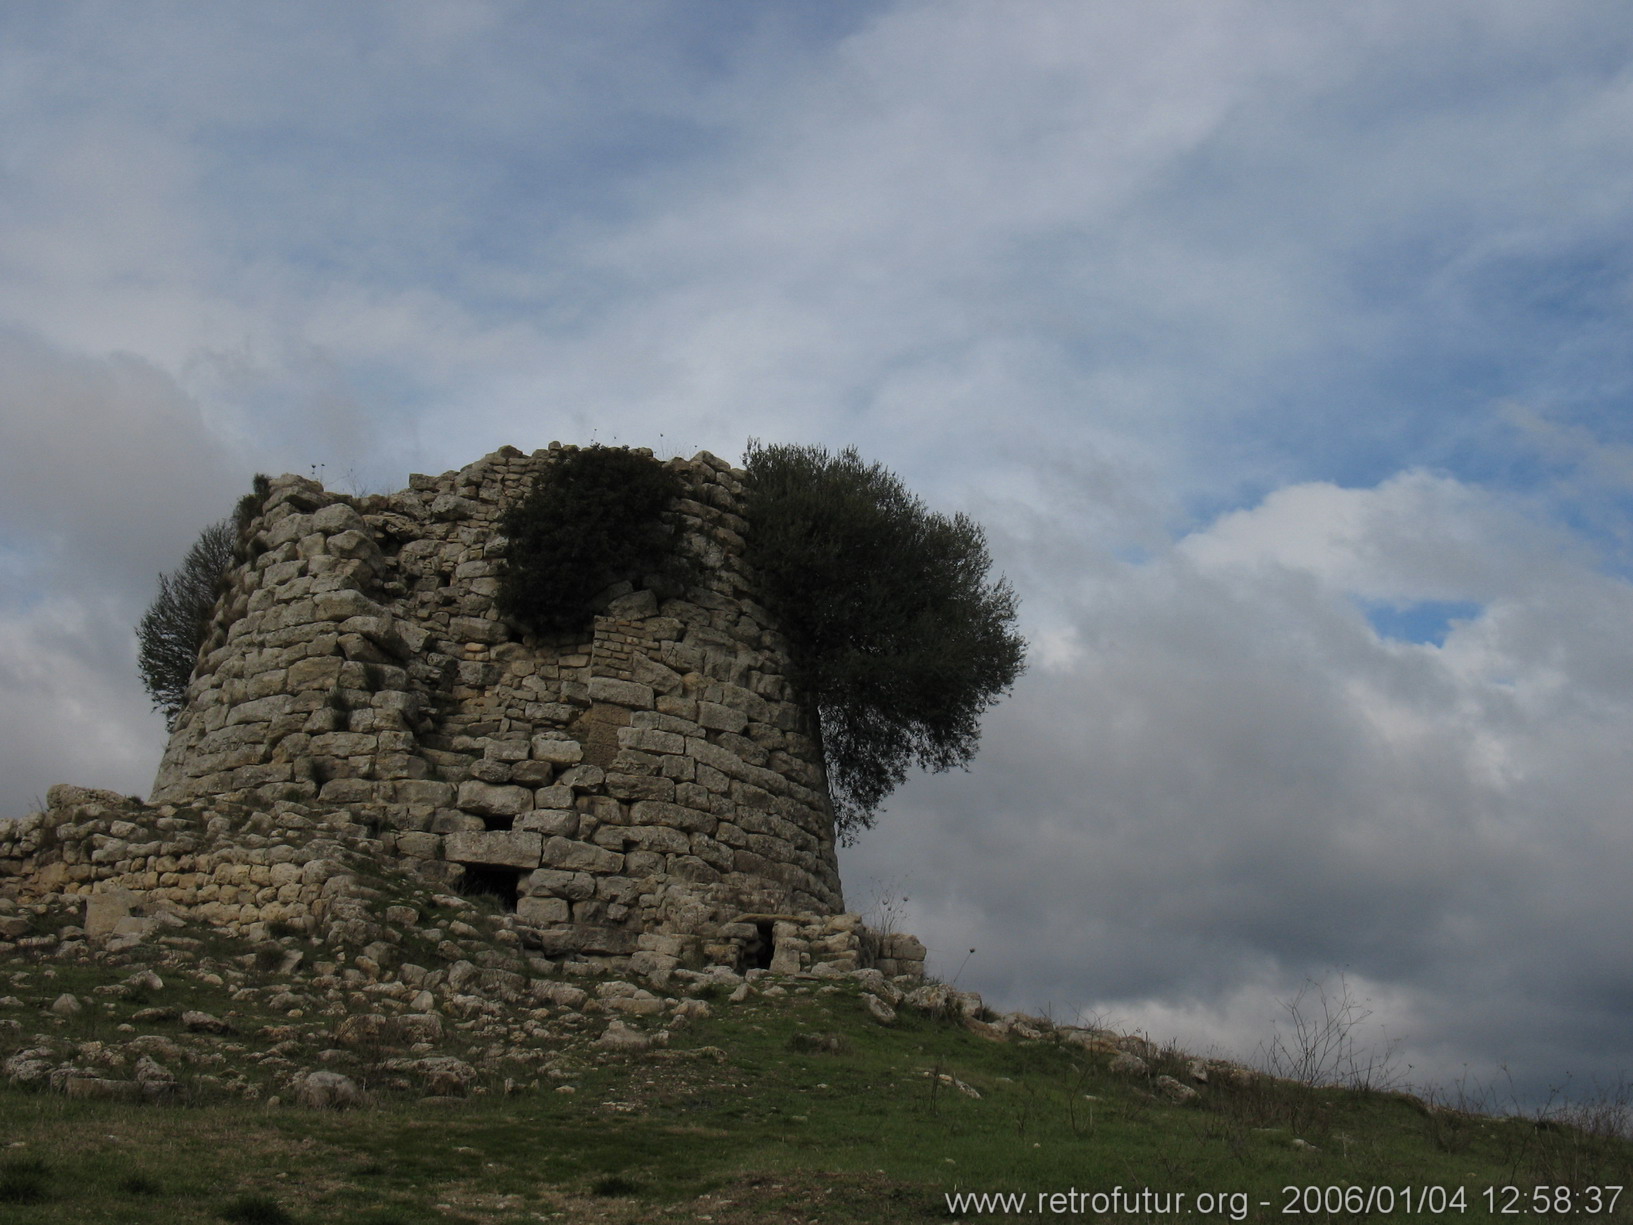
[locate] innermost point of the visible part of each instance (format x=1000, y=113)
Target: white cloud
x=1235, y=784
x=1417, y=536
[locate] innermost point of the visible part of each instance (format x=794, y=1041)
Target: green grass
x=772, y=1119
x=790, y=1108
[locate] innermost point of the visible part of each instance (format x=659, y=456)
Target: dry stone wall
x=655, y=776
x=254, y=871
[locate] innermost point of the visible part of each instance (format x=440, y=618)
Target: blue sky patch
x=1425, y=621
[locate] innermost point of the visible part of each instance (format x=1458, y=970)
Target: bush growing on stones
x=594, y=518
x=173, y=629
x=898, y=637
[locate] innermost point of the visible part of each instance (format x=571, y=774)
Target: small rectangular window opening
x=491, y=880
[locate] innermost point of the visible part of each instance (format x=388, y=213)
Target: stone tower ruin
x=655, y=775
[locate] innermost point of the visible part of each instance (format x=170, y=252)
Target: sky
x=1281, y=349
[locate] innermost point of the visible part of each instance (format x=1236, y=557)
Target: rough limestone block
x=497, y=801
x=505, y=750
x=488, y=771
x=557, y=751
x=319, y=673
x=543, y=910
x=642, y=863
x=532, y=773
x=421, y=791
x=419, y=845
x=261, y=710
x=554, y=882
x=353, y=545
x=478, y=629
x=336, y=518
x=714, y=756
x=567, y=855
x=716, y=717
x=347, y=791
x=657, y=812
x=622, y=693
x=550, y=822
x=344, y=744
x=105, y=910
x=899, y=946
x=665, y=722
x=650, y=740
x=656, y=838
x=662, y=679
x=341, y=605
x=635, y=606
x=508, y=848
x=447, y=508
x=582, y=776
x=640, y=787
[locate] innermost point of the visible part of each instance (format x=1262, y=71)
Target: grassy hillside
x=793, y=1103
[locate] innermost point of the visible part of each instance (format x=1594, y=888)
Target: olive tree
x=172, y=630
x=898, y=637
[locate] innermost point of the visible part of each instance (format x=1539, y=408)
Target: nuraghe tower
x=651, y=784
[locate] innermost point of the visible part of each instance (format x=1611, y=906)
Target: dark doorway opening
x=757, y=953
x=491, y=880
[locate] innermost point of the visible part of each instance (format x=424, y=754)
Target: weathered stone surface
x=420, y=1027
x=620, y=1038
x=1127, y=1064
x=477, y=796
x=104, y=910
x=901, y=947
x=566, y=855
x=543, y=910
x=557, y=750
x=324, y=1090
x=622, y=693
x=510, y=848
x=554, y=882
x=878, y=1009
x=1174, y=1091
x=721, y=718
x=367, y=1029
x=550, y=822
x=675, y=816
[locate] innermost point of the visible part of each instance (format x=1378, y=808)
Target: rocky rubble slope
x=330, y=975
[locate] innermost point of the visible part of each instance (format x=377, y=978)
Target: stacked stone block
x=655, y=775
x=256, y=871
x=234, y=868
